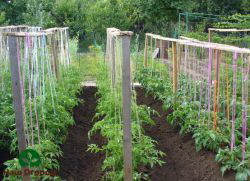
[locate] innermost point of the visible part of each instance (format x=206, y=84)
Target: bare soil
x=183, y=163
x=77, y=163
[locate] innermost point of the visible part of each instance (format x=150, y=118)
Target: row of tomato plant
x=109, y=125
x=192, y=119
x=57, y=117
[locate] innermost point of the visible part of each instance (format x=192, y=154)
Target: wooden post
x=209, y=35
x=18, y=96
x=179, y=53
x=175, y=68
x=216, y=86
x=126, y=107
x=107, y=46
x=146, y=51
x=187, y=22
x=55, y=54
x=161, y=51
x=151, y=51
x=113, y=64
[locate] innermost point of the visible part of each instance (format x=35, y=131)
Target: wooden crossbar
x=228, y=30
x=24, y=34
x=202, y=44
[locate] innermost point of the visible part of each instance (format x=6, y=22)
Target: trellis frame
x=211, y=30
x=12, y=33
x=216, y=61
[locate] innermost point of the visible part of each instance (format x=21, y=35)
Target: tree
x=38, y=13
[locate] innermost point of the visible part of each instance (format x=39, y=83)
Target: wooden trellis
x=210, y=66
x=34, y=57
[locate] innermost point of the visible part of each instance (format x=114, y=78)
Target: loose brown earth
x=183, y=163
x=77, y=163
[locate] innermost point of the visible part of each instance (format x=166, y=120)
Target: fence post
x=55, y=54
x=175, y=68
x=18, y=96
x=187, y=23
x=209, y=35
x=126, y=106
x=113, y=63
x=146, y=51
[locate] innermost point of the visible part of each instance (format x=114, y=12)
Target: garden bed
x=182, y=161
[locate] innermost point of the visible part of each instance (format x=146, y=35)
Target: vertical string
x=22, y=89
x=209, y=70
x=30, y=71
x=43, y=44
x=232, y=145
x=228, y=91
x=185, y=72
x=25, y=74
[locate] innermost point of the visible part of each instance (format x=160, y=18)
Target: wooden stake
x=18, y=96
x=55, y=55
x=126, y=108
x=113, y=63
x=151, y=51
x=175, y=68
x=209, y=35
x=161, y=51
x=179, y=53
x=146, y=51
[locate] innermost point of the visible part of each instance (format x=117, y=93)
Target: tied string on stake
x=29, y=73
x=26, y=76
x=209, y=73
x=62, y=48
x=235, y=56
x=201, y=82
x=50, y=75
x=67, y=46
x=186, y=72
x=119, y=79
x=228, y=91
x=36, y=85
x=195, y=73
x=43, y=83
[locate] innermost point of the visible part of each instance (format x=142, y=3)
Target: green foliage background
x=88, y=19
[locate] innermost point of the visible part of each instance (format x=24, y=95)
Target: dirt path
x=183, y=163
x=77, y=164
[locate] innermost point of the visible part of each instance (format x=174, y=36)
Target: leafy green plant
x=193, y=118
x=110, y=126
x=230, y=160
x=209, y=139
x=57, y=119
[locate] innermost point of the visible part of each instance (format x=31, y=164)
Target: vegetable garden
x=143, y=116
